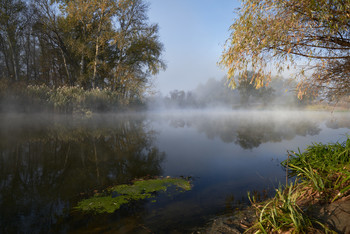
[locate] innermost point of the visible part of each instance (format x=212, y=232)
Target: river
x=48, y=163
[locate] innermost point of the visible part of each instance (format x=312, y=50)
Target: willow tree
x=303, y=35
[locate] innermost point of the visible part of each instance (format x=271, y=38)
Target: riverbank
x=24, y=98
x=335, y=215
x=318, y=201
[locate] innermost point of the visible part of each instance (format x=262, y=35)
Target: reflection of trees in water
x=43, y=167
x=250, y=131
x=177, y=123
x=251, y=135
x=340, y=121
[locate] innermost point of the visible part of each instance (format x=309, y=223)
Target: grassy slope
x=322, y=177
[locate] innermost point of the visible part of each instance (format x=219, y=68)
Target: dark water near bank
x=49, y=163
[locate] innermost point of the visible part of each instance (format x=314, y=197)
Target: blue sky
x=193, y=33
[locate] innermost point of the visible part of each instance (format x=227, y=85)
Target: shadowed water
x=50, y=163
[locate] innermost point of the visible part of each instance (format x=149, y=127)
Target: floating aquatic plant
x=116, y=196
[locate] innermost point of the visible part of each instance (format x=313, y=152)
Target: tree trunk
x=66, y=68
x=97, y=51
x=82, y=65
x=14, y=62
x=6, y=61
x=95, y=64
x=34, y=60
x=28, y=56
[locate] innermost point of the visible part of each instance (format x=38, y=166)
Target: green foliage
x=112, y=44
x=322, y=175
x=116, y=196
x=325, y=168
x=93, y=44
x=282, y=214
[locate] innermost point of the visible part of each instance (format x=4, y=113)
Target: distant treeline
x=90, y=45
x=216, y=93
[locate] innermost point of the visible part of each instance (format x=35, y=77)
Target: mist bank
x=214, y=94
x=279, y=94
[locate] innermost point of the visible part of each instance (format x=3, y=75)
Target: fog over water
x=94, y=99
x=50, y=162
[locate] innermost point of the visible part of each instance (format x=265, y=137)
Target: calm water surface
x=49, y=163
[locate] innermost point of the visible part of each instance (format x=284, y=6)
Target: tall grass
x=281, y=213
x=324, y=167
x=64, y=99
x=322, y=176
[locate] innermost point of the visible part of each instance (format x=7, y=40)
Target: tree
x=90, y=43
x=116, y=45
x=57, y=64
x=138, y=50
x=291, y=32
x=13, y=19
x=89, y=25
x=247, y=88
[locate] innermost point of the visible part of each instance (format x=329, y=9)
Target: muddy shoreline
x=335, y=215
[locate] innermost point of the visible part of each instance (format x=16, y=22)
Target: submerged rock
x=238, y=222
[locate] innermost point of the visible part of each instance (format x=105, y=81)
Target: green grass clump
x=281, y=214
x=322, y=176
x=325, y=168
x=118, y=195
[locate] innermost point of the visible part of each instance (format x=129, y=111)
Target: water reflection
x=48, y=164
x=248, y=130
x=45, y=163
x=342, y=121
